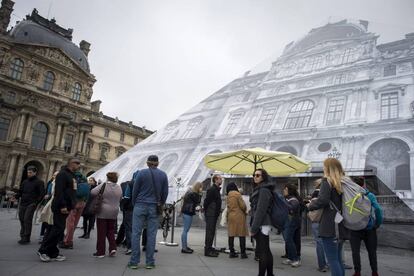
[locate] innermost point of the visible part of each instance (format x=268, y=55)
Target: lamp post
x=334, y=154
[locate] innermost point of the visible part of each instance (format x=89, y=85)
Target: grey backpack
x=356, y=206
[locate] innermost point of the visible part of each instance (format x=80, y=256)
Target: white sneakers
x=291, y=263
x=45, y=258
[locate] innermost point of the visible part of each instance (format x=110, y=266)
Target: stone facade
x=335, y=91
x=46, y=114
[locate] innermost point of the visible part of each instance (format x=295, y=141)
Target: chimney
x=85, y=47
x=96, y=105
x=5, y=12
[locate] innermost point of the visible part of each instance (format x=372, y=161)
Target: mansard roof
x=36, y=30
x=331, y=31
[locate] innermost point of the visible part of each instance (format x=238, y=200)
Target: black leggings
x=370, y=239
x=242, y=241
x=264, y=254
x=88, y=223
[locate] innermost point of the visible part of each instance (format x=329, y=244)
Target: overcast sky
x=154, y=59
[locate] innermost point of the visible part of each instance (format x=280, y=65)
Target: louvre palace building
x=334, y=92
x=46, y=113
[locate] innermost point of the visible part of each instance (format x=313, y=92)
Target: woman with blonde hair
x=191, y=200
x=330, y=199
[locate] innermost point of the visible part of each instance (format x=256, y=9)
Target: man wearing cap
x=150, y=190
x=30, y=193
x=64, y=200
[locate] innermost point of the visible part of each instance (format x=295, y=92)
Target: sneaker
x=324, y=269
x=66, y=246
x=283, y=256
x=287, y=262
x=243, y=256
x=188, y=248
x=113, y=253
x=132, y=266
x=59, y=258
x=43, y=257
x=186, y=251
x=128, y=252
x=23, y=242
x=98, y=256
x=150, y=266
x=295, y=264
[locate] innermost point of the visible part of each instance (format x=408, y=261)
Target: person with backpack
x=88, y=218
x=331, y=226
x=368, y=235
x=261, y=224
x=82, y=195
x=191, y=201
x=291, y=234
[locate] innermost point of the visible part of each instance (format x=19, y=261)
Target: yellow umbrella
x=246, y=161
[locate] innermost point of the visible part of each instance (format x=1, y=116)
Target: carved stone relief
x=56, y=56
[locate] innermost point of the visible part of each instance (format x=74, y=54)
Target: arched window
x=16, y=69
x=299, y=115
x=39, y=136
x=49, y=80
x=76, y=91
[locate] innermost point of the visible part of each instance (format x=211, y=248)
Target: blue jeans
x=187, y=220
x=333, y=251
x=144, y=213
x=320, y=253
x=288, y=235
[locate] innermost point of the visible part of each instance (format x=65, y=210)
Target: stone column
x=28, y=132
x=19, y=171
x=12, y=168
x=57, y=136
x=20, y=127
x=412, y=172
x=62, y=140
x=51, y=169
x=80, y=141
x=85, y=139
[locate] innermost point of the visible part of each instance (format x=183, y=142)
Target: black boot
x=233, y=254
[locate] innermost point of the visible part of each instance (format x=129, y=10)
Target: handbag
x=223, y=220
x=160, y=206
x=315, y=215
x=96, y=202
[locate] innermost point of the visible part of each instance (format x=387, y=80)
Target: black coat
x=31, y=191
x=260, y=200
x=212, y=203
x=327, y=224
x=65, y=194
x=191, y=200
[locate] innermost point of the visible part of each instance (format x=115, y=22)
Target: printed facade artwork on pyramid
x=334, y=92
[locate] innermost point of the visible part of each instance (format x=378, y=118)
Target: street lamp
x=334, y=154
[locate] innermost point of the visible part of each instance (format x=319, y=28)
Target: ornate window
x=335, y=109
x=89, y=147
x=389, y=105
x=233, y=121
x=68, y=143
x=316, y=63
x=49, y=80
x=122, y=137
x=390, y=70
x=16, y=69
x=190, y=127
x=104, y=148
x=119, y=151
x=106, y=134
x=76, y=91
x=348, y=55
x=266, y=119
x=4, y=128
x=39, y=136
x=299, y=115
x=340, y=78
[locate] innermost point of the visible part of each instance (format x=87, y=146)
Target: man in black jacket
x=64, y=200
x=212, y=209
x=30, y=193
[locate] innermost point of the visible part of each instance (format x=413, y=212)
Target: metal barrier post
x=172, y=243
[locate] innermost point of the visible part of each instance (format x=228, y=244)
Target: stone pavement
x=16, y=259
